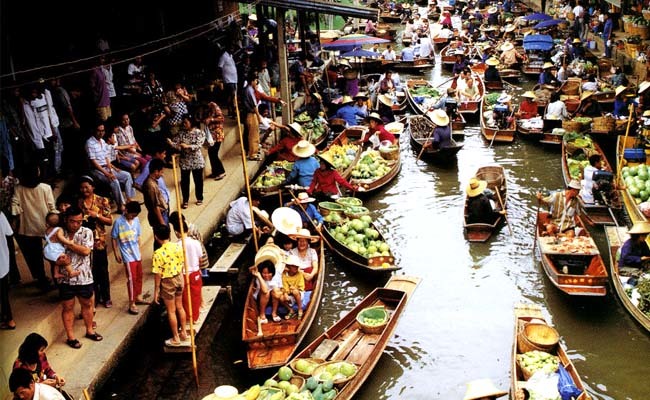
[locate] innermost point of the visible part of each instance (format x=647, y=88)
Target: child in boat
x=54, y=250
x=267, y=286
x=293, y=286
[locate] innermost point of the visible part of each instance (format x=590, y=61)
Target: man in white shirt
x=388, y=54
x=23, y=387
x=426, y=47
x=229, y=74
x=579, y=12
x=238, y=218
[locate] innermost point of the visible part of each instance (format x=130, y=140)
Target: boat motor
x=500, y=115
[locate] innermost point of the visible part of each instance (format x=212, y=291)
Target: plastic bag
x=543, y=386
x=566, y=386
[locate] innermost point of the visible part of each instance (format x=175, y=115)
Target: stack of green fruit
x=338, y=371
x=274, y=175
x=341, y=156
x=637, y=182
x=305, y=366
x=371, y=166
x=359, y=235
x=536, y=360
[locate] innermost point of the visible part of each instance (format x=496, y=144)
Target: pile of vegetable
x=274, y=175
x=361, y=237
x=425, y=91
x=335, y=371
x=577, y=160
x=371, y=166
x=643, y=288
x=302, y=117
x=536, y=360
x=583, y=120
x=637, y=182
x=311, y=129
x=341, y=156
x=491, y=98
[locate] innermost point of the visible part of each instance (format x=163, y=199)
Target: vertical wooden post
x=285, y=91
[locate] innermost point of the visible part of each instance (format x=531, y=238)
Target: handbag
x=204, y=262
x=209, y=140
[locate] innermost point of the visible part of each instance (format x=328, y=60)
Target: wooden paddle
x=295, y=199
x=539, y=204
x=423, y=145
x=504, y=209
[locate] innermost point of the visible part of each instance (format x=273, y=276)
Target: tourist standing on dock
x=80, y=286
x=190, y=142
x=126, y=235
x=193, y=252
x=214, y=121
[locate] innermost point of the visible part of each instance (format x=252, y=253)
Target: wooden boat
x=345, y=341
x=595, y=213
x=616, y=236
x=529, y=133
x=532, y=68
x=343, y=139
x=420, y=128
x=419, y=65
x=493, y=133
x=471, y=107
x=389, y=17
x=386, y=31
x=448, y=55
x=629, y=202
x=495, y=177
x=573, y=265
x=494, y=86
x=524, y=314
x=457, y=124
x=421, y=103
x=372, y=185
x=272, y=344
x=380, y=264
x=440, y=42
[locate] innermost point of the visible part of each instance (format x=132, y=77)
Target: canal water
x=458, y=325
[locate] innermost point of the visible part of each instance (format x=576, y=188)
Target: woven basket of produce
x=356, y=211
x=372, y=320
x=389, y=153
x=305, y=366
x=532, y=361
x=642, y=31
x=603, y=123
x=327, y=207
x=572, y=126
x=536, y=336
x=349, y=201
x=337, y=371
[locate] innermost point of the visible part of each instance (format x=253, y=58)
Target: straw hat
x=509, y=19
x=620, y=89
x=492, y=61
x=286, y=220
x=509, y=28
x=318, y=96
x=303, y=197
x=347, y=99
x=376, y=117
x=474, y=188
x=529, y=94
x=492, y=10
x=577, y=40
x=482, y=388
x=586, y=94
x=385, y=100
x=303, y=149
x=646, y=113
x=451, y=91
x=361, y=95
x=642, y=227
x=296, y=128
x=643, y=86
x=547, y=65
x=507, y=46
x=304, y=234
x=574, y=184
x=292, y=259
x=439, y=117
x=252, y=17
x=327, y=160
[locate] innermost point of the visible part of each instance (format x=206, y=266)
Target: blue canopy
x=548, y=23
x=537, y=17
x=538, y=42
x=360, y=53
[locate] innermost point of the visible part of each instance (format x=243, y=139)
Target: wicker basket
x=572, y=126
x=632, y=49
x=604, y=124
x=314, y=361
x=349, y=201
x=572, y=86
x=388, y=153
x=641, y=30
x=535, y=336
x=375, y=312
x=339, y=382
x=357, y=213
x=327, y=207
x=525, y=371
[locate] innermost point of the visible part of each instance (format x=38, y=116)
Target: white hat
x=482, y=388
x=252, y=17
x=492, y=61
x=385, y=100
x=574, y=184
x=303, y=197
x=492, y=10
x=620, y=89
x=640, y=228
x=296, y=128
x=286, y=220
x=475, y=187
x=530, y=94
x=375, y=116
x=507, y=46
x=303, y=149
x=509, y=28
x=347, y=99
x=643, y=86
x=304, y=234
x=439, y=117
x=547, y=64
x=292, y=259
x=269, y=252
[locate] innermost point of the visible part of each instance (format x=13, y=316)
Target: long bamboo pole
x=186, y=274
x=619, y=165
x=245, y=170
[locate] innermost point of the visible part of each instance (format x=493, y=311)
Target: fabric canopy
x=537, y=17
x=538, y=42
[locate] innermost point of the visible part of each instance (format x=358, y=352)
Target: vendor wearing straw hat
x=635, y=253
x=376, y=125
x=304, y=202
x=546, y=77
x=479, y=206
x=510, y=56
x=528, y=106
x=577, y=51
x=622, y=102
x=305, y=166
x=385, y=108
x=564, y=206
x=589, y=107
x=284, y=148
x=327, y=180
x=491, y=73
x=441, y=137
x=348, y=112
x=483, y=389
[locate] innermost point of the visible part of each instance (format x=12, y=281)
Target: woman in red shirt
x=376, y=125
x=285, y=145
x=326, y=178
x=528, y=106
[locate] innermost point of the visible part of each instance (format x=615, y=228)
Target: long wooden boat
x=440, y=42
x=390, y=18
x=420, y=103
x=448, y=55
x=386, y=31
x=573, y=265
x=420, y=128
x=372, y=185
x=379, y=264
x=419, y=65
x=495, y=176
x=616, y=236
x=524, y=314
x=273, y=343
x=471, y=107
x=596, y=213
x=629, y=202
x=457, y=124
x=494, y=86
x=532, y=68
x=495, y=134
x=529, y=133
x=345, y=341
x=343, y=139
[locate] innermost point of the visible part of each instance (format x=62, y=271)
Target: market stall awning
x=322, y=6
x=538, y=42
x=616, y=3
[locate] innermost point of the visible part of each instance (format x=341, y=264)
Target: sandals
x=74, y=343
x=5, y=326
x=290, y=315
x=94, y=337
x=276, y=318
x=184, y=205
x=134, y=310
x=219, y=177
x=171, y=343
x=199, y=202
x=264, y=320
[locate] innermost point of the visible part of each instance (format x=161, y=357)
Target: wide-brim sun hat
x=509, y=28
x=385, y=100
x=586, y=94
x=548, y=64
x=304, y=234
x=439, y=117
x=492, y=10
x=574, y=184
x=324, y=158
x=620, y=89
x=303, y=197
x=347, y=99
x=646, y=113
x=492, y=61
x=296, y=128
x=507, y=46
x=286, y=220
x=252, y=17
x=482, y=388
x=303, y=149
x=475, y=187
x=529, y=94
x=292, y=259
x=643, y=86
x=374, y=116
x=576, y=40
x=641, y=227
x=361, y=95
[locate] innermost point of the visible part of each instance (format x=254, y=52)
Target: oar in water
x=424, y=145
x=504, y=209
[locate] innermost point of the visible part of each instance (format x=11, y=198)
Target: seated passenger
x=479, y=206
x=307, y=257
x=635, y=252
x=293, y=286
x=268, y=286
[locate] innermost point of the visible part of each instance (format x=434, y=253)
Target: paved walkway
x=91, y=365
